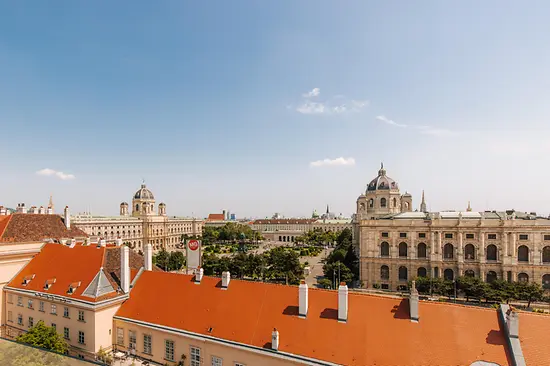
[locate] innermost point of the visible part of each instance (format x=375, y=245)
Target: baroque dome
x=382, y=182
x=144, y=194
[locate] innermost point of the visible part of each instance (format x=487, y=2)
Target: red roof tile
x=378, y=331
x=35, y=227
x=533, y=336
x=4, y=220
x=216, y=217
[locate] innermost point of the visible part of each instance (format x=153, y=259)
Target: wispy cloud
x=425, y=130
x=337, y=104
x=389, y=121
x=55, y=173
x=313, y=93
x=341, y=161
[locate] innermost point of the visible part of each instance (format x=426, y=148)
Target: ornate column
x=505, y=243
x=439, y=239
x=460, y=243
x=432, y=242
x=513, y=245
x=482, y=248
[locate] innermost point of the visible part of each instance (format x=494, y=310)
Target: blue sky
x=226, y=105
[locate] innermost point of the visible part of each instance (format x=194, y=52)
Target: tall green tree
x=161, y=259
x=44, y=337
x=176, y=261
x=530, y=292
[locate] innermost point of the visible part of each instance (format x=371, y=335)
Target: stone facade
x=143, y=226
x=286, y=230
x=396, y=247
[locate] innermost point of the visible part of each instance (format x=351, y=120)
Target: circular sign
x=193, y=244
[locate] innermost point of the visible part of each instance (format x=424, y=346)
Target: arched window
x=449, y=274
x=137, y=207
x=421, y=272
x=523, y=277
x=448, y=251
x=385, y=272
x=469, y=252
x=421, y=250
x=371, y=203
x=546, y=281
x=361, y=207
x=394, y=202
x=403, y=249
x=384, y=249
x=403, y=273
x=491, y=276
x=492, y=252
x=469, y=273
x=523, y=253
x=546, y=255
x=383, y=202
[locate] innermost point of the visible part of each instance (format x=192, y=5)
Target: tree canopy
x=44, y=337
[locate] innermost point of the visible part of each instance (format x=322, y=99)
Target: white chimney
x=125, y=268
x=41, y=210
x=199, y=273
x=343, y=302
x=303, y=299
x=50, y=210
x=148, y=257
x=67, y=217
x=34, y=210
x=72, y=243
x=275, y=339
x=413, y=303
x=512, y=320
x=226, y=277
x=2, y=211
x=21, y=208
x=102, y=243
x=118, y=242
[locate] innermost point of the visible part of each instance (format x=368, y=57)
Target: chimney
x=303, y=299
x=199, y=272
x=125, y=269
x=21, y=208
x=41, y=210
x=226, y=277
x=2, y=211
x=72, y=243
x=275, y=339
x=102, y=243
x=118, y=242
x=67, y=217
x=413, y=303
x=34, y=210
x=50, y=210
x=343, y=302
x=148, y=257
x=224, y=214
x=512, y=320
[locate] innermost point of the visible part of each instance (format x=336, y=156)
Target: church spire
x=423, y=203
x=469, y=209
x=50, y=204
x=327, y=210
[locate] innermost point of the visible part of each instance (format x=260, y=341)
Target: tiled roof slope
x=4, y=220
x=34, y=227
x=378, y=331
x=79, y=264
x=216, y=217
x=533, y=336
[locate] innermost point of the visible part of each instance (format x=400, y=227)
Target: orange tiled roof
x=69, y=266
x=378, y=331
x=35, y=227
x=533, y=336
x=4, y=220
x=216, y=217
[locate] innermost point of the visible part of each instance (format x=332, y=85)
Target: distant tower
x=423, y=204
x=327, y=210
x=124, y=209
x=50, y=204
x=469, y=209
x=162, y=209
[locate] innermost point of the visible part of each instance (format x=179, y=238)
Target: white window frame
x=19, y=300
x=217, y=361
x=120, y=336
x=66, y=333
x=81, y=315
x=10, y=298
x=31, y=322
x=41, y=306
x=195, y=356
x=169, y=350
x=81, y=338
x=20, y=319
x=66, y=313
x=132, y=339
x=147, y=344
x=10, y=316
x=54, y=309
x=30, y=304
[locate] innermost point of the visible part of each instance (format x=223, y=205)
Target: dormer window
x=49, y=283
x=72, y=287
x=27, y=279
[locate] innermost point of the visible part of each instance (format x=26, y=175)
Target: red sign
x=193, y=244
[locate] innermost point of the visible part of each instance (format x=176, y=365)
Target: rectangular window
x=66, y=333
x=81, y=337
x=54, y=309
x=492, y=236
x=195, y=356
x=546, y=237
x=169, y=350
x=10, y=299
x=81, y=315
x=385, y=235
x=217, y=361
x=470, y=236
x=132, y=339
x=147, y=344
x=120, y=336
x=422, y=235
x=20, y=319
x=19, y=301
x=41, y=306
x=10, y=317
x=31, y=322
x=523, y=237
x=239, y=364
x=448, y=235
x=29, y=304
x=65, y=312
x=54, y=326
x=402, y=235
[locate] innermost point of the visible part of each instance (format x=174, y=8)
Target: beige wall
x=182, y=344
x=104, y=326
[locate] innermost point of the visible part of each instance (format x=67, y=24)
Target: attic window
x=72, y=287
x=210, y=330
x=27, y=279
x=49, y=283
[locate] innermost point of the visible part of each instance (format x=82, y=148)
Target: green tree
x=161, y=259
x=44, y=337
x=284, y=263
x=344, y=237
x=337, y=271
x=176, y=261
x=529, y=292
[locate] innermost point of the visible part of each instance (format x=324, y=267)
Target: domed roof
x=382, y=181
x=144, y=194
